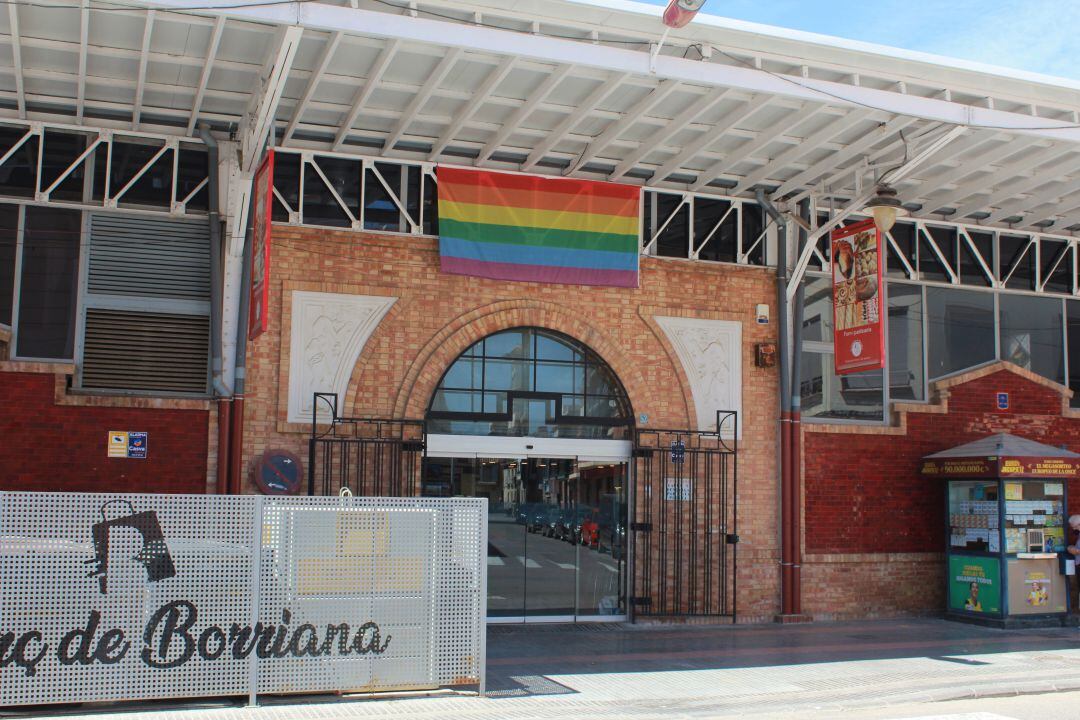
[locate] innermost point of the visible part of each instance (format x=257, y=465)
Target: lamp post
x=885, y=207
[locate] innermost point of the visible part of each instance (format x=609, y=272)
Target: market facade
x=631, y=437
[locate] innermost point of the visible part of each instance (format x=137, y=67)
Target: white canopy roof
x=561, y=87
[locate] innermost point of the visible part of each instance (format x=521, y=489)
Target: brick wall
x=55, y=442
x=437, y=316
x=864, y=497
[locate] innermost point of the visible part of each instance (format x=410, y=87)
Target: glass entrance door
x=556, y=533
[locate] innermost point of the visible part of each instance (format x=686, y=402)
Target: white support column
x=144, y=58
x=234, y=196
x=16, y=53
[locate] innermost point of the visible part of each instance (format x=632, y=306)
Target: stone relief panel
x=329, y=331
x=711, y=355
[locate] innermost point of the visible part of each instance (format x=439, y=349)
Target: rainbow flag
x=523, y=227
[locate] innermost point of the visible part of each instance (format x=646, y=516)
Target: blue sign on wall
x=678, y=452
x=1003, y=401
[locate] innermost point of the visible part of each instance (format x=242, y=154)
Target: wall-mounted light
x=885, y=207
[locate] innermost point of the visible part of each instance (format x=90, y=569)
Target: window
x=9, y=235
x=1073, y=318
x=906, y=375
x=530, y=382
x=961, y=329
x=1031, y=334
x=48, y=286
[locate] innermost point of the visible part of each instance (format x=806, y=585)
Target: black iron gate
x=683, y=521
x=375, y=457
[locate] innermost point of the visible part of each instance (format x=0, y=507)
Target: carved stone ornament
x=329, y=331
x=711, y=355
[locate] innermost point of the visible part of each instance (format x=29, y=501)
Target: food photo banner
x=858, y=320
x=136, y=597
x=528, y=228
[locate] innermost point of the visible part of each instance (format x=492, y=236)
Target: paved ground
x=889, y=669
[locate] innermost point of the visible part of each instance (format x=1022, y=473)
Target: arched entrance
x=540, y=425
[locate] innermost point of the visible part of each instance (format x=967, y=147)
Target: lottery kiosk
x=1007, y=530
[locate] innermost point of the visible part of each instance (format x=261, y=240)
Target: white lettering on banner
x=188, y=596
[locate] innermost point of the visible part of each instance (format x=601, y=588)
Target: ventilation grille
x=147, y=257
x=145, y=351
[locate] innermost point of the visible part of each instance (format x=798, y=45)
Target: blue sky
x=1040, y=36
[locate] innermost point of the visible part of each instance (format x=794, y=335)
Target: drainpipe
x=796, y=426
x=786, y=514
x=221, y=393
x=236, y=440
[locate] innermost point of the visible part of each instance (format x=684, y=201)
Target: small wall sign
x=678, y=452
x=1003, y=401
x=127, y=444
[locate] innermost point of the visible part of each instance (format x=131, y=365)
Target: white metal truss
x=569, y=121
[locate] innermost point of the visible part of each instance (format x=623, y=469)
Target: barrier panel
x=125, y=597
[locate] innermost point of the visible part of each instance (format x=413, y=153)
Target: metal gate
x=372, y=457
x=683, y=521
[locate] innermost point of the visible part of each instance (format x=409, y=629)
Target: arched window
x=530, y=382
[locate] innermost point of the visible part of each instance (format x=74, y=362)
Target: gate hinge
x=640, y=600
x=640, y=527
x=412, y=446
x=731, y=539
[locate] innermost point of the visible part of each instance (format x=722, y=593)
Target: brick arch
x=458, y=335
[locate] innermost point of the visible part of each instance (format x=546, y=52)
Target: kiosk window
x=973, y=515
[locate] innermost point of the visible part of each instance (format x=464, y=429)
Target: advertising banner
x=262, y=207
x=858, y=318
x=129, y=597
x=975, y=584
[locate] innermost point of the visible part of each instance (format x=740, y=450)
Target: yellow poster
x=118, y=444
x=1014, y=491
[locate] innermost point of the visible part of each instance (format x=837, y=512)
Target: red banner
x=859, y=333
x=263, y=205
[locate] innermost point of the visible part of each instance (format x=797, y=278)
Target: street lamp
x=679, y=13
x=885, y=207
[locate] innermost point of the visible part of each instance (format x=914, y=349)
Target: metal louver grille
x=149, y=257
x=145, y=351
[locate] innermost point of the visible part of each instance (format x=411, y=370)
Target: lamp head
x=885, y=207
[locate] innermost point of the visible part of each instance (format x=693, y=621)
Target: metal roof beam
x=313, y=83
x=809, y=144
x=364, y=93
x=612, y=132
x=586, y=106
x=709, y=137
x=771, y=133
x=524, y=110
x=558, y=50
x=496, y=76
x=84, y=36
x=927, y=186
x=144, y=59
x=1028, y=207
x=208, y=67
x=982, y=184
x=1009, y=188
x=16, y=54
x=259, y=122
x=702, y=105
x=852, y=149
x=433, y=81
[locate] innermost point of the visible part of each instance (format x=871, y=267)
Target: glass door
x=556, y=533
x=551, y=560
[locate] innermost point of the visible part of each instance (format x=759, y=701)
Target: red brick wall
x=45, y=446
x=437, y=316
x=863, y=492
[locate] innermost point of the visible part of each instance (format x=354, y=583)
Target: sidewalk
x=619, y=671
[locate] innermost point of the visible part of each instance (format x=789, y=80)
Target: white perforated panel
x=346, y=594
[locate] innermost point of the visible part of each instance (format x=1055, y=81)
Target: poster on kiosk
x=858, y=320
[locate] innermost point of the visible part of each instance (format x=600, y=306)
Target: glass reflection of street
x=556, y=532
